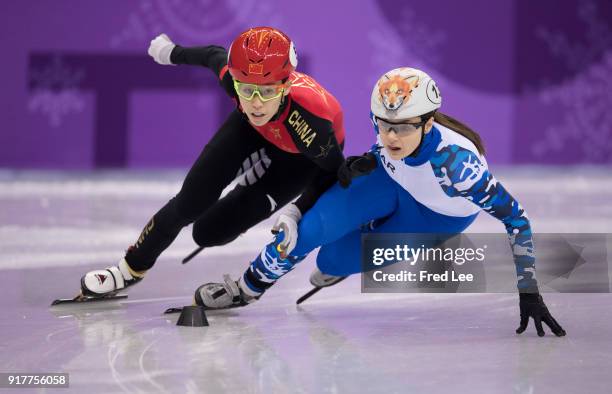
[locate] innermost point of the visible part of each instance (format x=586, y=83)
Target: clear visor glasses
x=265, y=92
x=401, y=129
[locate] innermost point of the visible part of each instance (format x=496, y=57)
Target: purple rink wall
x=78, y=90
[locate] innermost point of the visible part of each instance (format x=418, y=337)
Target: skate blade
x=80, y=298
x=179, y=310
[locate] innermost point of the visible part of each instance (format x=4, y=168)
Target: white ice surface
x=56, y=226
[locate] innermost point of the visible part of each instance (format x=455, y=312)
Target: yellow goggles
x=265, y=92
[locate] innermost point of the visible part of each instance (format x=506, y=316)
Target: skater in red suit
x=283, y=140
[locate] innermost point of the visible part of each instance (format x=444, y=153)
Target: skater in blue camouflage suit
x=426, y=174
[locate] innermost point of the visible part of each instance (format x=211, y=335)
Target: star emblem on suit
x=276, y=132
x=325, y=149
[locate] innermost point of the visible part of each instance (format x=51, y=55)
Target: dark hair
x=458, y=127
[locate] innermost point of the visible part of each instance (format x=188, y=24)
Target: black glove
x=532, y=305
x=355, y=166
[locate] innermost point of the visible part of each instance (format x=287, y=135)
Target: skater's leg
x=336, y=213
x=414, y=217
x=250, y=202
x=343, y=257
x=340, y=211
x=262, y=192
x=214, y=169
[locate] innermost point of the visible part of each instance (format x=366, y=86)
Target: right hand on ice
x=287, y=222
x=532, y=306
x=160, y=49
x=355, y=166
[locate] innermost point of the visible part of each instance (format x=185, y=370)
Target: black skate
x=82, y=298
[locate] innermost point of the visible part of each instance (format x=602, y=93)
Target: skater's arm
x=212, y=56
x=316, y=122
x=328, y=157
x=464, y=174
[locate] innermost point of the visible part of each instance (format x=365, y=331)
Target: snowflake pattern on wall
x=55, y=91
x=584, y=101
x=391, y=50
x=195, y=21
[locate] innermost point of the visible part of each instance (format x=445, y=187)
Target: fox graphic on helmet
x=396, y=90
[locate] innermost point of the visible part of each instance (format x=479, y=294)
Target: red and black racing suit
x=297, y=152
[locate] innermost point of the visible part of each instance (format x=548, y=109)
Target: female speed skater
x=426, y=174
x=283, y=140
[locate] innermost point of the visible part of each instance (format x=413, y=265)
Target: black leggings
x=270, y=178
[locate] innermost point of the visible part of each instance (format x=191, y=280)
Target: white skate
x=319, y=279
x=109, y=281
x=229, y=294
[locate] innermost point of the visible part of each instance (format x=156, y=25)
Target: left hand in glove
x=532, y=305
x=287, y=222
x=161, y=48
x=355, y=166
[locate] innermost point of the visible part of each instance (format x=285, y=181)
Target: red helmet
x=261, y=55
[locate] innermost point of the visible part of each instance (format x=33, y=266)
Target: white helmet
x=404, y=93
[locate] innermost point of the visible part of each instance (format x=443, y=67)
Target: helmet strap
x=281, y=108
x=283, y=103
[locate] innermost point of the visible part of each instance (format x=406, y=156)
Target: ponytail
x=458, y=127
